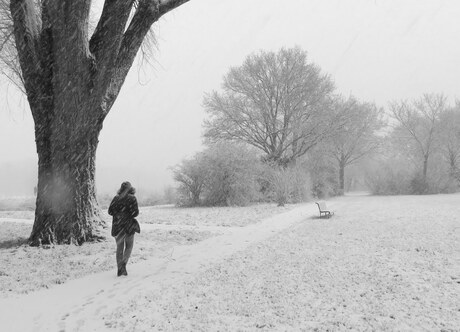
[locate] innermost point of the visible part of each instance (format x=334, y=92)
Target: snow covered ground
x=211, y=216
x=381, y=263
x=196, y=216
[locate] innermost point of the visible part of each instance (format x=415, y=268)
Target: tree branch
x=106, y=39
x=26, y=32
x=147, y=13
x=168, y=5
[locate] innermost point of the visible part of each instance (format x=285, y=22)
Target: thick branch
x=26, y=32
x=168, y=5
x=106, y=39
x=147, y=13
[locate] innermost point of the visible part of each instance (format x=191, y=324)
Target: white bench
x=323, y=210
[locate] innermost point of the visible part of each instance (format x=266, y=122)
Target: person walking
x=124, y=209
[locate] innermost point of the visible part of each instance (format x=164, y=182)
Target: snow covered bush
x=231, y=175
x=286, y=184
x=190, y=175
x=222, y=175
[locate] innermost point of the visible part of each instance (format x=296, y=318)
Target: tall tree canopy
x=72, y=78
x=277, y=102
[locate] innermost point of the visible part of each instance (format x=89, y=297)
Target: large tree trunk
x=66, y=208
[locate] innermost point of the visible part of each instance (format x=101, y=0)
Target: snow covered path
x=80, y=305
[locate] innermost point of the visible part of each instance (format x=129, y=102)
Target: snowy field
x=380, y=264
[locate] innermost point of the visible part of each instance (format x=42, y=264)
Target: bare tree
x=450, y=139
x=358, y=137
x=71, y=80
x=417, y=128
x=276, y=102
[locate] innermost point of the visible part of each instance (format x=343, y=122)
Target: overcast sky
x=377, y=50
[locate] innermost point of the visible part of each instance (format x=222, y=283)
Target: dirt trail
x=80, y=305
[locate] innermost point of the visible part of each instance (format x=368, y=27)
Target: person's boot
x=120, y=271
x=123, y=270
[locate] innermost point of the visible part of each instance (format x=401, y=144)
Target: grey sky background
x=374, y=49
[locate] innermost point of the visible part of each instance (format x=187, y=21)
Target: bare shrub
x=231, y=178
x=224, y=174
x=191, y=175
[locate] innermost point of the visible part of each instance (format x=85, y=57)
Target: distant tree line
x=421, y=150
x=278, y=131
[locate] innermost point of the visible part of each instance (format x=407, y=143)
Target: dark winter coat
x=124, y=209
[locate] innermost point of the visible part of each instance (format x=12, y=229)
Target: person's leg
x=120, y=241
x=129, y=240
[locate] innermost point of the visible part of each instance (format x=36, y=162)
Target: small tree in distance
x=357, y=138
x=417, y=131
x=450, y=140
